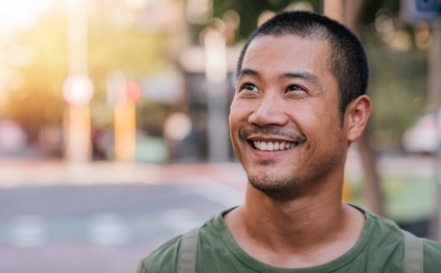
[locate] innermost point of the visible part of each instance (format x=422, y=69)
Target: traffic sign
x=429, y=6
x=420, y=10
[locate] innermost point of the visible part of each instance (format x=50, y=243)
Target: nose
x=269, y=111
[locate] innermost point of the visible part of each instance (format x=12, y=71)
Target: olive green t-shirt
x=380, y=248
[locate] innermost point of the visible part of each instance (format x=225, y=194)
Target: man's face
x=284, y=120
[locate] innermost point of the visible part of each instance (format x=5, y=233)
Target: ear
x=357, y=115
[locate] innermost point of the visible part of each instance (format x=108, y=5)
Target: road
x=104, y=217
x=102, y=227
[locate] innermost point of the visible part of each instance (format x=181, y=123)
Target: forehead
x=287, y=52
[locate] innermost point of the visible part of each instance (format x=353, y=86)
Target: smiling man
x=300, y=101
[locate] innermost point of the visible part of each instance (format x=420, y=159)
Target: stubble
x=299, y=182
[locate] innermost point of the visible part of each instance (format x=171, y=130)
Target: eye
x=250, y=87
x=295, y=88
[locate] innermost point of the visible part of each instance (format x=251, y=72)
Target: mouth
x=271, y=141
x=272, y=145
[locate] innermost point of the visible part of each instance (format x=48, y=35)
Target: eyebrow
x=250, y=72
x=291, y=75
x=301, y=75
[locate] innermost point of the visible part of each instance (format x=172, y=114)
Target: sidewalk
x=41, y=173
x=52, y=172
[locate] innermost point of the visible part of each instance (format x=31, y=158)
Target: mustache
x=272, y=130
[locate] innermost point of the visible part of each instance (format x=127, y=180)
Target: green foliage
x=397, y=87
x=371, y=7
x=249, y=11
x=134, y=51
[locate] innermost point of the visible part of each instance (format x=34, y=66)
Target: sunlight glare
x=21, y=14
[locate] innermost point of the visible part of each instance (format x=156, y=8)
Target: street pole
x=77, y=37
x=125, y=122
x=434, y=84
x=333, y=9
x=434, y=78
x=216, y=74
x=78, y=88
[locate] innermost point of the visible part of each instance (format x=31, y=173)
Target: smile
x=273, y=146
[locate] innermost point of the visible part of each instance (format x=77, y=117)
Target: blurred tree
x=249, y=12
x=398, y=73
x=134, y=50
x=398, y=90
x=38, y=100
x=115, y=44
x=120, y=40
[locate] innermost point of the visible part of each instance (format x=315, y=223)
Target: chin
x=278, y=187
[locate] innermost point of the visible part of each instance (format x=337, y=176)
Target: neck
x=315, y=228
x=298, y=223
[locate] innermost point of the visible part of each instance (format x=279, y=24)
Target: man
x=300, y=101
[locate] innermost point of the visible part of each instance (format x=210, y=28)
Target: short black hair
x=348, y=62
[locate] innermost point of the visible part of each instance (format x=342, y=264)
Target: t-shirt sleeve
x=432, y=257
x=141, y=268
x=163, y=259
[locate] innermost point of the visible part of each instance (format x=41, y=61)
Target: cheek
x=318, y=122
x=235, y=118
x=239, y=112
x=232, y=119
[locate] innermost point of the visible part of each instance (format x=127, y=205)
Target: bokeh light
x=177, y=126
x=78, y=90
x=130, y=91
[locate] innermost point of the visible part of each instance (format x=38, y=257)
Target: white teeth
x=273, y=146
x=282, y=145
x=269, y=146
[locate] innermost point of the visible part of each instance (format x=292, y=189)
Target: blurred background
x=114, y=122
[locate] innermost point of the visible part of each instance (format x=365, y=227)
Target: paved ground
x=105, y=228
x=46, y=173
x=104, y=217
x=104, y=225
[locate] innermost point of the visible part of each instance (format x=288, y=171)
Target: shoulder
x=393, y=237
x=162, y=259
x=384, y=231
x=432, y=256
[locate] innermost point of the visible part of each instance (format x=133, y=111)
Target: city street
x=105, y=227
x=106, y=216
